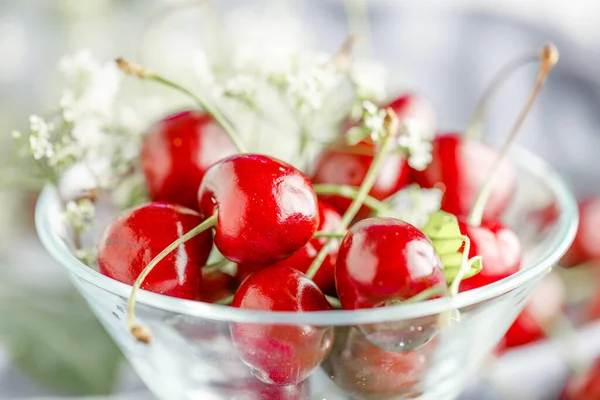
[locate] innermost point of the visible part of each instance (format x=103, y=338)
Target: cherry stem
x=333, y=235
x=426, y=294
x=134, y=69
x=548, y=58
x=225, y=301
x=464, y=268
x=391, y=125
x=349, y=192
x=217, y=266
x=141, y=333
x=334, y=301
x=474, y=128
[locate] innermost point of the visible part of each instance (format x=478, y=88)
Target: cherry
x=459, y=168
x=586, y=246
x=281, y=354
x=584, y=387
x=135, y=237
x=360, y=367
x=267, y=209
x=216, y=286
x=329, y=219
x=384, y=260
x=545, y=304
x=499, y=247
x=348, y=164
x=177, y=152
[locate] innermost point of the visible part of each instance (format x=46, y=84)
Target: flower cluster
x=79, y=214
x=416, y=143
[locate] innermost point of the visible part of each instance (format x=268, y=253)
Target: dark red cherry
x=216, y=286
x=281, y=354
x=348, y=165
x=460, y=167
x=360, y=367
x=135, y=237
x=585, y=387
x=586, y=246
x=499, y=248
x=267, y=209
x=329, y=220
x=544, y=305
x=384, y=260
x=176, y=153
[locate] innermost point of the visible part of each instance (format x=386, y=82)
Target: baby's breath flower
x=369, y=79
x=416, y=143
x=79, y=214
x=415, y=204
x=39, y=140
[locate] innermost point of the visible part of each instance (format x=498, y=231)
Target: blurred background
x=51, y=345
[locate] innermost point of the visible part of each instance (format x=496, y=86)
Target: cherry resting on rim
x=176, y=153
x=281, y=354
x=348, y=164
x=267, y=209
x=135, y=237
x=586, y=245
x=329, y=219
x=385, y=260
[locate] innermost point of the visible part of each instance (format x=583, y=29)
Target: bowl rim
x=566, y=228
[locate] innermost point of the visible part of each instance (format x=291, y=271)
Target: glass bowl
x=192, y=355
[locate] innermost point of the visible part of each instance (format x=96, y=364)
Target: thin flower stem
x=139, y=71
x=391, y=124
x=141, y=333
x=549, y=57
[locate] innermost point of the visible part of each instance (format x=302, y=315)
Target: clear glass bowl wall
x=192, y=355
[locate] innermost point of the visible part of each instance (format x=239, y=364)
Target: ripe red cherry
x=360, y=367
x=417, y=109
x=459, y=167
x=280, y=354
x=586, y=387
x=383, y=260
x=135, y=237
x=586, y=246
x=216, y=286
x=267, y=209
x=329, y=220
x=177, y=152
x=499, y=247
x=546, y=302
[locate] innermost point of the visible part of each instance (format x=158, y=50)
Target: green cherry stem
x=225, y=301
x=351, y=193
x=333, y=235
x=142, y=334
x=134, y=69
x=548, y=57
x=474, y=128
x=391, y=125
x=464, y=268
x=334, y=301
x=217, y=266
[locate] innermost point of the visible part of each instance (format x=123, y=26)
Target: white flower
x=39, y=139
x=417, y=144
x=79, y=214
x=240, y=86
x=415, y=204
x=369, y=79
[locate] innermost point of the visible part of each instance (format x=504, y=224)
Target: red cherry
x=415, y=108
x=460, y=167
x=216, y=286
x=360, y=367
x=281, y=354
x=135, y=237
x=177, y=152
x=329, y=220
x=384, y=260
x=348, y=165
x=546, y=302
x=586, y=387
x=267, y=209
x=499, y=248
x=585, y=247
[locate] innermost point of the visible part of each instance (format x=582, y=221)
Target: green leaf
x=442, y=225
x=57, y=341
